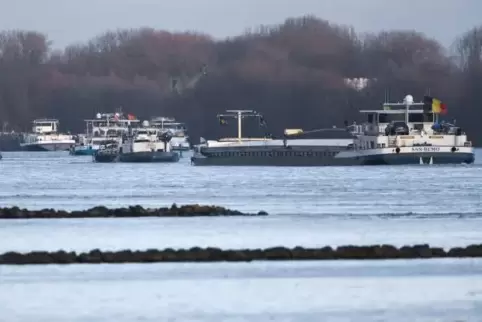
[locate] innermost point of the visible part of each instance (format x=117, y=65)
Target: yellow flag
x=436, y=106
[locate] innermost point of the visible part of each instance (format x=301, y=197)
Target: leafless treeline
x=294, y=73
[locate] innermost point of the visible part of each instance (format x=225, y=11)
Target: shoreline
x=126, y=212
x=210, y=254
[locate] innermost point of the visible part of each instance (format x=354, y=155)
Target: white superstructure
x=45, y=137
x=408, y=131
x=180, y=138
x=106, y=126
x=145, y=139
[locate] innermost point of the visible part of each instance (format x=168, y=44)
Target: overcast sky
x=71, y=21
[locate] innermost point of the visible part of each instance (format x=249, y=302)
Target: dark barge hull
x=105, y=157
x=157, y=156
x=417, y=158
x=327, y=160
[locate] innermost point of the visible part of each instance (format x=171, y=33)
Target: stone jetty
x=133, y=211
x=196, y=254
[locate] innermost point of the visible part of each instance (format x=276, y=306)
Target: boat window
x=387, y=118
x=421, y=118
x=50, y=125
x=370, y=118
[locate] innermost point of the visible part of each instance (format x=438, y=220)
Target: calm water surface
x=36, y=180
x=430, y=290
x=440, y=205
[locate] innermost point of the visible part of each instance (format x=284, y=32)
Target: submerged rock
x=209, y=254
x=132, y=211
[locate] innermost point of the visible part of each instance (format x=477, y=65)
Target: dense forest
x=294, y=73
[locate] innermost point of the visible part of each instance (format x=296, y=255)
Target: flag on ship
x=434, y=104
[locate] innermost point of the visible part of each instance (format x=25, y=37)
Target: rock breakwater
x=133, y=211
x=209, y=254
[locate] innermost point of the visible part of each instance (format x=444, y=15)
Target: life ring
x=397, y=150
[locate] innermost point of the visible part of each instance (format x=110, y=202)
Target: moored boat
x=147, y=144
x=409, y=132
x=45, y=136
x=180, y=138
x=107, y=126
x=399, y=133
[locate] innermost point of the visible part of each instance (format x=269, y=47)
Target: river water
x=440, y=205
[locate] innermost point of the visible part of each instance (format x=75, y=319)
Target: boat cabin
x=45, y=126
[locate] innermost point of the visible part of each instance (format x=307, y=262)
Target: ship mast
x=239, y=115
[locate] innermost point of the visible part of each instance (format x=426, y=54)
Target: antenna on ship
x=239, y=115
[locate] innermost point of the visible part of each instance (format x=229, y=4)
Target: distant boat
x=147, y=144
x=109, y=126
x=45, y=137
x=180, y=138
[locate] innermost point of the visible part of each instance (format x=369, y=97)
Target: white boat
x=45, y=137
x=180, y=138
x=409, y=132
x=147, y=144
x=107, y=126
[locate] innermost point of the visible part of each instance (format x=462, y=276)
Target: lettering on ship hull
x=426, y=149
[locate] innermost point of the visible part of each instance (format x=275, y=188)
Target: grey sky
x=71, y=21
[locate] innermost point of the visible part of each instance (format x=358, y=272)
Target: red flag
x=131, y=117
x=443, y=108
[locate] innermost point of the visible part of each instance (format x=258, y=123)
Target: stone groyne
x=196, y=254
x=133, y=211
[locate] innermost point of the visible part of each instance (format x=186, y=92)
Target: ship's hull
x=155, y=156
x=416, y=158
x=39, y=147
x=410, y=155
x=106, y=157
x=335, y=158
x=266, y=161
